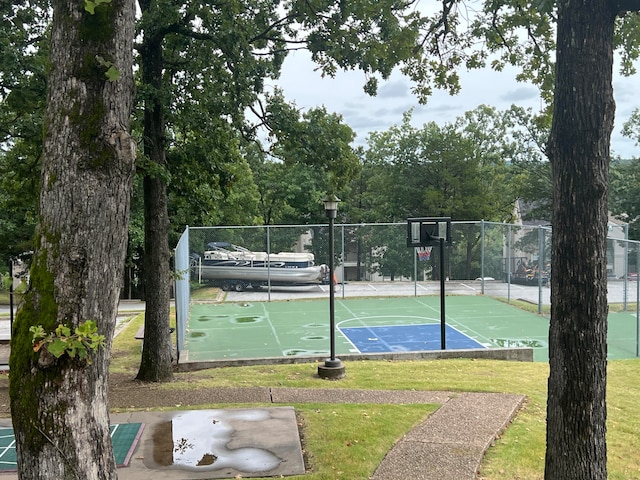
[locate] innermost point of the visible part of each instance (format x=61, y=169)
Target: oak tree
x=61, y=340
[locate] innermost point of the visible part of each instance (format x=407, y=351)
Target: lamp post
x=332, y=368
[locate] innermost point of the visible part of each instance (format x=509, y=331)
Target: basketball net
x=424, y=253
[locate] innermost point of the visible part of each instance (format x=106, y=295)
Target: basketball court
x=124, y=436
x=218, y=331
x=292, y=324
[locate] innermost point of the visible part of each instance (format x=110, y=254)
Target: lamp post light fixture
x=332, y=368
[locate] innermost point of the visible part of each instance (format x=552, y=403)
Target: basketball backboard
x=425, y=231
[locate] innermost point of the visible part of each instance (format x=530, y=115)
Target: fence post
x=626, y=264
x=540, y=259
x=637, y=300
x=482, y=257
x=343, y=258
x=508, y=266
x=268, y=264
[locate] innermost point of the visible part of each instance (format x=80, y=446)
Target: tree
x=59, y=395
x=579, y=149
x=625, y=189
x=23, y=63
x=310, y=156
x=455, y=170
x=226, y=53
x=531, y=171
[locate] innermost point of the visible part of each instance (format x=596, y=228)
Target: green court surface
x=301, y=327
x=124, y=437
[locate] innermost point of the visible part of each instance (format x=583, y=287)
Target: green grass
x=349, y=441
x=356, y=437
x=204, y=292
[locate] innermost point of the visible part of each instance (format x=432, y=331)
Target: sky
x=344, y=95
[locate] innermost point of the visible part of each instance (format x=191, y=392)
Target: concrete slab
x=225, y=443
x=211, y=444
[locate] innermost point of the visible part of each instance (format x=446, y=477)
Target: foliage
x=624, y=200
x=5, y=281
x=318, y=139
x=23, y=72
x=444, y=171
x=90, y=6
x=61, y=341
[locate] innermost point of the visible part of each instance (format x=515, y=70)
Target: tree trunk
x=59, y=405
x=579, y=151
x=156, y=364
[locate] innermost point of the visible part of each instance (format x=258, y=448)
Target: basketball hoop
x=424, y=253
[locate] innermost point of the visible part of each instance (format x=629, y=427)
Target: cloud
x=394, y=89
x=520, y=94
x=344, y=95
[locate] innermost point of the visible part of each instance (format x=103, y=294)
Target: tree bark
x=59, y=405
x=156, y=363
x=579, y=152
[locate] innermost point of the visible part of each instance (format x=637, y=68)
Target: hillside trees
x=625, y=181
x=457, y=170
x=311, y=153
x=59, y=398
x=625, y=193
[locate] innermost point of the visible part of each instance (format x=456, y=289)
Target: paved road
x=491, y=288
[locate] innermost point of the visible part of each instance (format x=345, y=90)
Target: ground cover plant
x=349, y=441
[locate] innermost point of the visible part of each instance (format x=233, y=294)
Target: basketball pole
x=443, y=325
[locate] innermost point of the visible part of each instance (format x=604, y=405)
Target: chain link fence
x=377, y=254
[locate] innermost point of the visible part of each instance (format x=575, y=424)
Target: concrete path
x=450, y=444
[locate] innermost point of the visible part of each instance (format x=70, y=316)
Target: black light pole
x=333, y=367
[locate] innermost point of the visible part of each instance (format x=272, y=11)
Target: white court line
x=477, y=336
x=372, y=287
x=340, y=330
x=273, y=328
x=6, y=449
x=470, y=287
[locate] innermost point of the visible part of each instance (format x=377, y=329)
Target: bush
x=5, y=281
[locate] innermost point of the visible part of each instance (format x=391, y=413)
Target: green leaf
x=63, y=331
x=57, y=347
x=90, y=6
x=86, y=328
x=112, y=74
x=38, y=333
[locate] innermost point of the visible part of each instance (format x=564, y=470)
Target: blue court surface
x=407, y=338
x=124, y=437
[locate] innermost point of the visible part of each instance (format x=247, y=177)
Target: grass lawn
x=356, y=437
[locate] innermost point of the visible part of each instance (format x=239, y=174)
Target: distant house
x=20, y=270
x=524, y=249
